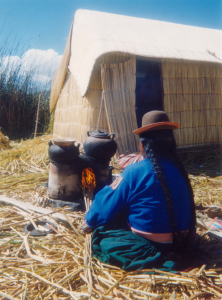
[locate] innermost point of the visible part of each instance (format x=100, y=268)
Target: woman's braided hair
x=161, y=143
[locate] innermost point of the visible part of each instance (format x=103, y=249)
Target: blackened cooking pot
x=100, y=145
x=63, y=151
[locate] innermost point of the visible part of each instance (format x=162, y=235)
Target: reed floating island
x=53, y=266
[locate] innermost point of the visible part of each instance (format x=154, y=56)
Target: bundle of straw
x=53, y=267
x=88, y=183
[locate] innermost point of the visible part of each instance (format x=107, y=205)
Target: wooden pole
x=37, y=116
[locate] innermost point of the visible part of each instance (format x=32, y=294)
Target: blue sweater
x=138, y=192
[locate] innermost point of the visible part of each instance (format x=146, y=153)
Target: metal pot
x=63, y=151
x=100, y=145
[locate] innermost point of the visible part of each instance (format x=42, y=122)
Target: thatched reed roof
x=95, y=33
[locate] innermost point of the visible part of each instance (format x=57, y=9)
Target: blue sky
x=45, y=24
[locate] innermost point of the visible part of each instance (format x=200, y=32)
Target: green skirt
x=115, y=244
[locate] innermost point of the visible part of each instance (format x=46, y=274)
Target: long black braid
x=161, y=143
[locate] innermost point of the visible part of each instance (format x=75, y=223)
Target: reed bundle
x=119, y=83
x=88, y=245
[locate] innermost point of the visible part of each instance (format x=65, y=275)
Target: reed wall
x=193, y=98
x=74, y=114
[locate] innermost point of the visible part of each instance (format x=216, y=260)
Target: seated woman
x=146, y=218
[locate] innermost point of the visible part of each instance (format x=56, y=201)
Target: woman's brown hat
x=156, y=120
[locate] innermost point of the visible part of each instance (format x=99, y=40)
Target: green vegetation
x=19, y=95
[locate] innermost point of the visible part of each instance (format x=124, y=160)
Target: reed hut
x=116, y=68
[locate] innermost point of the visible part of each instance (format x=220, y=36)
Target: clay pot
x=100, y=145
x=63, y=151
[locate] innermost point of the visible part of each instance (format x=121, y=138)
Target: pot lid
x=99, y=134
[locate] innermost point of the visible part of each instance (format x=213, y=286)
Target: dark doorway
x=149, y=88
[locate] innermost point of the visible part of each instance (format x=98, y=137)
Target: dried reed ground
x=52, y=267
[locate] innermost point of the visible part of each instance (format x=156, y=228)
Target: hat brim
x=157, y=126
